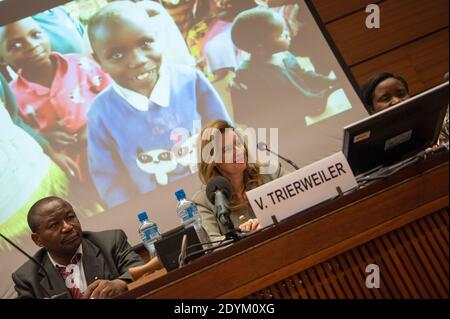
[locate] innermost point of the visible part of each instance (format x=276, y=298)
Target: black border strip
x=12, y=10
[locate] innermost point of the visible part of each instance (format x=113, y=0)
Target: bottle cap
x=142, y=216
x=180, y=194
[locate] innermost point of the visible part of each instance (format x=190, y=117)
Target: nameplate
x=302, y=189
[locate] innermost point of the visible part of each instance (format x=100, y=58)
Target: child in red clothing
x=54, y=92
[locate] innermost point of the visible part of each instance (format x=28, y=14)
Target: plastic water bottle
x=188, y=213
x=149, y=233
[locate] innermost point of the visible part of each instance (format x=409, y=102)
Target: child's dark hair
x=369, y=86
x=113, y=11
x=251, y=28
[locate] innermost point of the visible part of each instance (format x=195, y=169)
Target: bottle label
x=191, y=211
x=150, y=233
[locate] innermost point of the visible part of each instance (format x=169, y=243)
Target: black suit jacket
x=106, y=255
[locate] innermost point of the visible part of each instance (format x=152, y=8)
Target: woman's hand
x=250, y=225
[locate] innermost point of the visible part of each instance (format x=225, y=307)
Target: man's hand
x=250, y=225
x=105, y=289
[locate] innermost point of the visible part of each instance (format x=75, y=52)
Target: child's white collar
x=160, y=94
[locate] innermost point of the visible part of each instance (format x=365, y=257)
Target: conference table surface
x=245, y=266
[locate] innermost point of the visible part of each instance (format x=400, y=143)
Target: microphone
x=263, y=147
x=63, y=295
x=219, y=191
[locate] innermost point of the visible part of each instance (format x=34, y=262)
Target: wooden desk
x=400, y=224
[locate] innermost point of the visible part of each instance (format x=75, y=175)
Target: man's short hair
x=32, y=217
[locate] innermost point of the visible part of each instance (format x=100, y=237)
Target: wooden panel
x=404, y=256
x=444, y=217
x=436, y=249
x=361, y=266
x=383, y=291
x=399, y=279
x=291, y=288
x=428, y=258
x=400, y=266
x=325, y=282
x=309, y=287
x=422, y=63
x=342, y=278
x=331, y=9
x=386, y=275
x=402, y=21
x=357, y=272
x=282, y=289
x=316, y=283
x=300, y=286
x=414, y=256
x=441, y=233
x=337, y=287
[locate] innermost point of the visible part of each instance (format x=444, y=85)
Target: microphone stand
x=235, y=235
x=61, y=295
x=284, y=159
x=263, y=147
x=223, y=217
x=29, y=257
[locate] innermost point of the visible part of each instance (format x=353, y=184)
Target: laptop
x=396, y=133
x=168, y=247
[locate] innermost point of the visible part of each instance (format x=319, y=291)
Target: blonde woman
x=242, y=174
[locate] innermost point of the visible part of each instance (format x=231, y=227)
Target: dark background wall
x=412, y=40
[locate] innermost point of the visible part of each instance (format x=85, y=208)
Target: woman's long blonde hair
x=209, y=169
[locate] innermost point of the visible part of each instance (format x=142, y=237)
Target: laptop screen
x=397, y=132
x=169, y=247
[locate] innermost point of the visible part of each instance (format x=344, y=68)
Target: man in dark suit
x=77, y=264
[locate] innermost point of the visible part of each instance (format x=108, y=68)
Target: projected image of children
x=27, y=173
x=272, y=78
x=130, y=125
x=122, y=117
x=54, y=92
